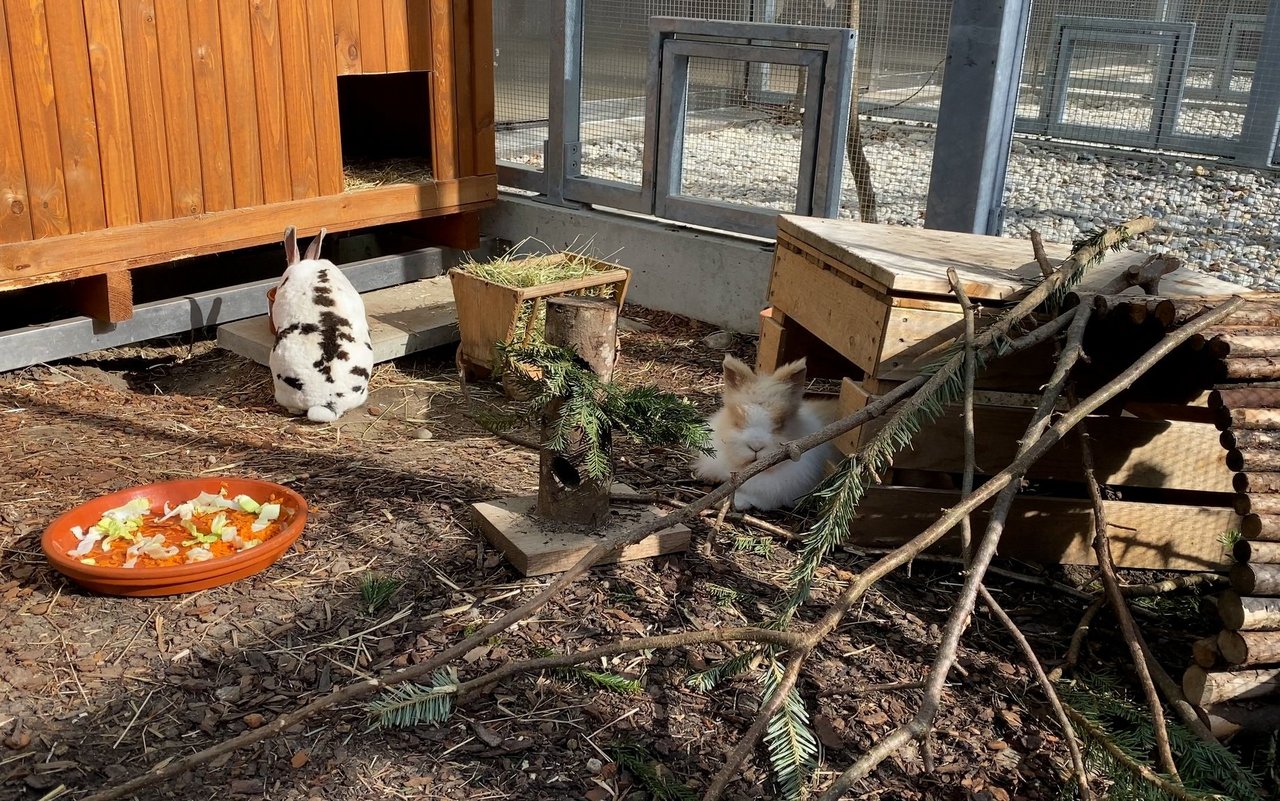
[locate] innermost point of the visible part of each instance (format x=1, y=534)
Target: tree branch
x=1111, y=584
x=970, y=447
x=997, y=484
x=1033, y=661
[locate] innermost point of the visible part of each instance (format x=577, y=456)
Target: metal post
x=562, y=152
x=976, y=115
x=1262, y=116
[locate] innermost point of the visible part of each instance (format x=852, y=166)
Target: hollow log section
x=1246, y=409
x=589, y=327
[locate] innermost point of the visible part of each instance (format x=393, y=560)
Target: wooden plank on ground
x=107, y=298
x=146, y=109
x=268, y=74
x=211, y=107
x=346, y=34
x=295, y=57
x=77, y=122
x=179, y=92
x=373, y=49
x=108, y=71
x=444, y=120
x=37, y=117
x=63, y=258
x=15, y=209
x=482, y=88
x=395, y=21
x=324, y=98
x=1053, y=530
x=536, y=548
x=242, y=106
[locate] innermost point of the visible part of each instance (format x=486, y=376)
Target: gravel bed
x=1219, y=219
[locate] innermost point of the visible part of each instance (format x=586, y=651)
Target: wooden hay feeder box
x=147, y=132
x=490, y=312
x=875, y=300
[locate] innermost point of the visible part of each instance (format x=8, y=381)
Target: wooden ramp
x=402, y=319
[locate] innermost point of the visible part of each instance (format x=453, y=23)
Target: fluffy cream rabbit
x=760, y=413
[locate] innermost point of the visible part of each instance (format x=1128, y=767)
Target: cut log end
x=1202, y=687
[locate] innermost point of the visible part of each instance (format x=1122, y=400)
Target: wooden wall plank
x=177, y=88
x=242, y=106
x=418, y=14
x=211, y=106
x=77, y=124
x=324, y=99
x=300, y=123
x=15, y=210
x=373, y=36
x=346, y=35
x=111, y=111
x=444, y=121
x=464, y=86
x=268, y=74
x=395, y=23
x=482, y=89
x=37, y=117
x=146, y=108
x=63, y=258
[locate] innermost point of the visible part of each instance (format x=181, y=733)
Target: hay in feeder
x=373, y=174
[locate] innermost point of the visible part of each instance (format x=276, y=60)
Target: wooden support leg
x=107, y=297
x=782, y=340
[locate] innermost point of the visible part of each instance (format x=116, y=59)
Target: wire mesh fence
x=1163, y=76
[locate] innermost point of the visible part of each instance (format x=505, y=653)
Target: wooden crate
x=143, y=132
x=879, y=295
x=489, y=313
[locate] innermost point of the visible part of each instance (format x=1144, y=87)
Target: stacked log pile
x=1236, y=679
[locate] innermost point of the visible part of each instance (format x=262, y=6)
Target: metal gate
x=699, y=73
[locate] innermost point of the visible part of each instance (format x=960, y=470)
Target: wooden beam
x=459, y=231
x=1203, y=687
x=107, y=298
x=1051, y=530
x=94, y=252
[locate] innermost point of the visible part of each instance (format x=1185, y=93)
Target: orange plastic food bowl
x=174, y=579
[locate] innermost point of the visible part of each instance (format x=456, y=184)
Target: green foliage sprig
x=590, y=408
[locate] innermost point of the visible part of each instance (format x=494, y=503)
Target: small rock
x=253, y=720
x=488, y=736
x=423, y=433
x=376, y=411
x=594, y=766
x=17, y=741
x=299, y=759
x=719, y=340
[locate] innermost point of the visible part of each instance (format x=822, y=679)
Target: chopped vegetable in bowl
x=206, y=527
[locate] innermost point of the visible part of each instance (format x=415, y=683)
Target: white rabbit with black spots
x=759, y=414
x=323, y=356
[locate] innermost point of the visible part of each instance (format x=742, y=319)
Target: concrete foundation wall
x=716, y=278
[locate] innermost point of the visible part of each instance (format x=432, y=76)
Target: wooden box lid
x=899, y=260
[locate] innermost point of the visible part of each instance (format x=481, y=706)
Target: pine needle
x=376, y=591
x=793, y=748
x=407, y=705
x=651, y=773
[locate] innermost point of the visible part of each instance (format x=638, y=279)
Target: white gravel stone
x=1219, y=220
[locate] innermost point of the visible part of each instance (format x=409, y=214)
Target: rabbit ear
x=792, y=373
x=291, y=246
x=313, y=250
x=736, y=373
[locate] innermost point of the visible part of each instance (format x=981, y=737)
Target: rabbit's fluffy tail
x=321, y=414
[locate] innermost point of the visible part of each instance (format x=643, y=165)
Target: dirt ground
x=97, y=689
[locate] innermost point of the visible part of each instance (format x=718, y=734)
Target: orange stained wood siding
x=119, y=112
